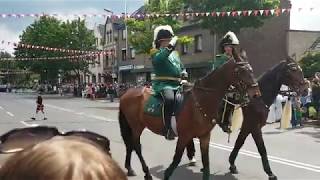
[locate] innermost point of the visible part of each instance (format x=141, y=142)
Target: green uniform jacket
x=166, y=64
x=219, y=61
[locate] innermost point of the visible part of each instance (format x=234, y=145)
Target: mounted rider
x=227, y=47
x=168, y=71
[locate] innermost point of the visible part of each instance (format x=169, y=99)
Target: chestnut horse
x=196, y=118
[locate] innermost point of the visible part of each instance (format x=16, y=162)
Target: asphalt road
x=293, y=154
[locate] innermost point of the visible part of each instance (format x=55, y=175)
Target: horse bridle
x=206, y=89
x=293, y=67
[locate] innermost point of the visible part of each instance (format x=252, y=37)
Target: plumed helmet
x=229, y=39
x=162, y=32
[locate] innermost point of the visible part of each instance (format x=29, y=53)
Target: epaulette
x=153, y=51
x=218, y=55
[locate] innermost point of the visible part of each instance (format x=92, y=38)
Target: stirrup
x=169, y=135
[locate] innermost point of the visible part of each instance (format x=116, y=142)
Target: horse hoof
x=193, y=162
x=131, y=173
x=147, y=177
x=233, y=169
x=273, y=177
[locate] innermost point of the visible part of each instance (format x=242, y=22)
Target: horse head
x=293, y=76
x=243, y=79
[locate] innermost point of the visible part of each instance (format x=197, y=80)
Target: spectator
x=306, y=101
x=62, y=158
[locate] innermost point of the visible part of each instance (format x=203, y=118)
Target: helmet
x=229, y=39
x=162, y=32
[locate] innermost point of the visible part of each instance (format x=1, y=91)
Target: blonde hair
x=62, y=158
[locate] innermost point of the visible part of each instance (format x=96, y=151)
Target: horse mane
x=269, y=82
x=212, y=73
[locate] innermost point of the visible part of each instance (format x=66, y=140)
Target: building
x=265, y=46
x=96, y=67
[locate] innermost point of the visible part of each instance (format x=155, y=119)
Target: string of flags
x=234, y=13
x=83, y=57
x=30, y=46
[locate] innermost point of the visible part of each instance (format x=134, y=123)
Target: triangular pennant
x=207, y=14
x=249, y=12
x=213, y=14
x=234, y=13
x=272, y=12
x=239, y=13
x=255, y=12
x=266, y=12
x=261, y=12
x=223, y=14
x=228, y=13
x=218, y=14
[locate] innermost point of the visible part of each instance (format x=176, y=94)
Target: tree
x=310, y=64
x=222, y=25
x=50, y=32
x=141, y=30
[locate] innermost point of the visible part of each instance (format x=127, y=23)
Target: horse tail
x=125, y=129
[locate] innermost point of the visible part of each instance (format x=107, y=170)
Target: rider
x=168, y=70
x=228, y=44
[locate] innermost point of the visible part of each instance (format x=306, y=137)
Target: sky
x=11, y=28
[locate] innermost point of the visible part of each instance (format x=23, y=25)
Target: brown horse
x=255, y=114
x=195, y=119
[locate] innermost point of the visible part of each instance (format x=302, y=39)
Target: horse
x=196, y=117
x=255, y=114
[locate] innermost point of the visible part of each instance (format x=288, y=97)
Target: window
x=111, y=38
x=124, y=55
x=106, y=62
x=97, y=42
x=184, y=48
x=99, y=78
x=99, y=60
x=124, y=34
x=132, y=53
x=198, y=43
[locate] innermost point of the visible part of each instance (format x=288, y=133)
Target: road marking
x=10, y=114
x=100, y=118
x=60, y=108
x=1, y=107
x=29, y=125
x=81, y=113
x=271, y=158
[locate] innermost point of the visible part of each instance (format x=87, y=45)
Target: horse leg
x=190, y=153
x=145, y=168
x=176, y=158
x=258, y=139
x=128, y=161
x=204, y=146
x=239, y=143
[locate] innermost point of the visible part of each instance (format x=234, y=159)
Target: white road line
x=28, y=125
x=271, y=158
x=10, y=114
x=100, y=118
x=1, y=107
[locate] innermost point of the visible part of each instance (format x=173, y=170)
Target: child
x=40, y=107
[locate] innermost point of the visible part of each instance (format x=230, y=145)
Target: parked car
x=3, y=88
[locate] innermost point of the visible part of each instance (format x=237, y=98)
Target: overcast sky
x=11, y=28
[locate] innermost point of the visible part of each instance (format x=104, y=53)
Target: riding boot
x=225, y=120
x=169, y=134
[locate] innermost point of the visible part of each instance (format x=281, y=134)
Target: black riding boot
x=168, y=95
x=225, y=118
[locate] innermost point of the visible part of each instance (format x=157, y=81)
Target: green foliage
x=50, y=32
x=141, y=36
x=222, y=25
x=310, y=64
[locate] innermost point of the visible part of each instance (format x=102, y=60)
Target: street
x=293, y=154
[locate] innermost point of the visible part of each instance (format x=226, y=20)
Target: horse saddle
x=154, y=106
